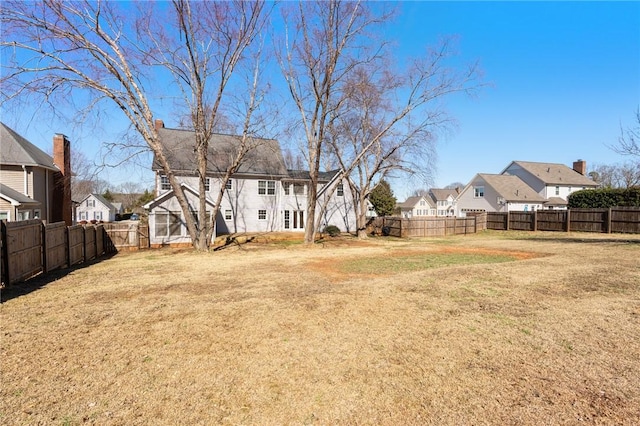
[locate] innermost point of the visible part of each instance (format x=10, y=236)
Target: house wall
x=245, y=203
x=171, y=205
x=467, y=201
x=97, y=212
x=564, y=191
x=524, y=207
x=7, y=208
x=36, y=188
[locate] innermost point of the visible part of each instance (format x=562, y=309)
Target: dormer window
x=164, y=183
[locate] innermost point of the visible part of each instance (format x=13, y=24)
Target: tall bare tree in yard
x=629, y=140
x=324, y=44
x=126, y=56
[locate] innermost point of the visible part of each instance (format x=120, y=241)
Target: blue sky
x=564, y=76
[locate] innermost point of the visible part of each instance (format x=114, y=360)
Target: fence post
x=568, y=220
x=45, y=266
x=508, y=219
x=535, y=220
x=609, y=221
x=5, y=252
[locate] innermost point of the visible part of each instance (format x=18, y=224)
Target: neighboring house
x=261, y=196
x=554, y=182
x=33, y=185
x=419, y=206
x=95, y=207
x=445, y=201
x=498, y=193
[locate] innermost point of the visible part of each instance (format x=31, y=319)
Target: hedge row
x=605, y=198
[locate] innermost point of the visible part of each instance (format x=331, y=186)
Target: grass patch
x=400, y=264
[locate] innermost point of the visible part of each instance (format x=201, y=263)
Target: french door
x=294, y=219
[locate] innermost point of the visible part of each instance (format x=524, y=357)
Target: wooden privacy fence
x=30, y=247
x=427, y=226
x=612, y=220
x=128, y=235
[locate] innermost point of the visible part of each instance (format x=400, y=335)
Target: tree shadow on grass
x=37, y=282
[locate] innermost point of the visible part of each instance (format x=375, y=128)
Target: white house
x=498, y=193
x=262, y=195
x=445, y=201
x=95, y=207
x=554, y=182
x=419, y=206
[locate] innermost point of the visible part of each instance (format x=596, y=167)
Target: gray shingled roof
x=442, y=194
x=512, y=188
x=16, y=196
x=264, y=159
x=304, y=175
x=555, y=174
x=411, y=202
x=17, y=151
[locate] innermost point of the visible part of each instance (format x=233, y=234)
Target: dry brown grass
x=270, y=333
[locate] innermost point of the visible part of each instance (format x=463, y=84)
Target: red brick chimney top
x=159, y=124
x=580, y=166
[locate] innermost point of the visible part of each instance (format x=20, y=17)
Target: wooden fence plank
x=55, y=247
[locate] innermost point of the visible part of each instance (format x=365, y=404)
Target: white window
x=422, y=203
x=227, y=215
x=228, y=185
x=267, y=187
x=287, y=219
x=24, y=215
x=97, y=215
x=478, y=191
x=557, y=190
x=207, y=184
x=164, y=183
x=168, y=224
x=340, y=190
x=91, y=202
x=36, y=214
x=4, y=215
x=299, y=188
x=262, y=215
x=286, y=186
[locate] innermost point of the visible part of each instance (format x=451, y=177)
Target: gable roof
x=442, y=194
x=18, y=151
x=411, y=202
x=100, y=198
x=512, y=188
x=14, y=197
x=265, y=158
x=171, y=193
x=553, y=173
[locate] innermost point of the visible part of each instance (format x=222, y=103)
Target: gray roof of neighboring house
x=16, y=196
x=304, y=175
x=411, y=202
x=17, y=151
x=556, y=201
x=264, y=159
x=100, y=198
x=554, y=174
x=512, y=188
x=442, y=194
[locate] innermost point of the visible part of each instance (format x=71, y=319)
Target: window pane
x=271, y=187
x=161, y=224
x=175, y=224
x=262, y=187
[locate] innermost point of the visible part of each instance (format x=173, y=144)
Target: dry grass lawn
x=496, y=328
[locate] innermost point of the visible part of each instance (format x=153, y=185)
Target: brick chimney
x=580, y=166
x=62, y=209
x=159, y=124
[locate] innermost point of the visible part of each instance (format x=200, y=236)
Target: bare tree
x=316, y=62
x=625, y=175
x=108, y=53
x=629, y=140
x=392, y=118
